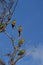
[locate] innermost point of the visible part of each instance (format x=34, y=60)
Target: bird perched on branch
x=2, y=27
x=13, y=23
x=21, y=41
x=21, y=52
x=19, y=30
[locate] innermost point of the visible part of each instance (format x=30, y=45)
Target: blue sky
x=29, y=14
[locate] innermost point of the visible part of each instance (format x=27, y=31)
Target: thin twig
x=10, y=37
x=19, y=57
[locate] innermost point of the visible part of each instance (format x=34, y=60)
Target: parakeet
x=13, y=23
x=22, y=52
x=19, y=30
x=21, y=42
x=2, y=27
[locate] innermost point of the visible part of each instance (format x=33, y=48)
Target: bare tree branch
x=10, y=37
x=16, y=55
x=9, y=13
x=2, y=62
x=18, y=58
x=10, y=4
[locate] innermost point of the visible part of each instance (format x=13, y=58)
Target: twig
x=10, y=37
x=19, y=57
x=15, y=6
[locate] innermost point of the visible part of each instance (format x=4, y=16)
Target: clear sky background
x=29, y=14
